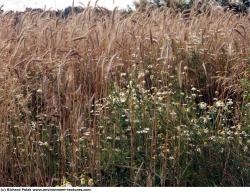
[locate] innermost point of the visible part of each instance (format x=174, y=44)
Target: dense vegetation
x=147, y=98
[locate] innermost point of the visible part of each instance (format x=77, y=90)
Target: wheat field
x=148, y=98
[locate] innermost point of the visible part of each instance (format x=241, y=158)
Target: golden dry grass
x=54, y=71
